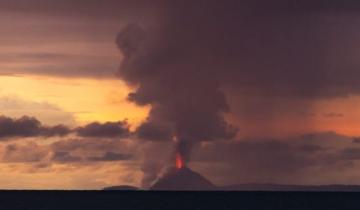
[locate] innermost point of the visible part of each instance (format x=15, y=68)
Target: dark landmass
x=122, y=187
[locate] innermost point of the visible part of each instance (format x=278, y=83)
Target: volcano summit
x=183, y=179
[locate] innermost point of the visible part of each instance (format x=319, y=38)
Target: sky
x=100, y=93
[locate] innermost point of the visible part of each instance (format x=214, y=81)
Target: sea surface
x=132, y=200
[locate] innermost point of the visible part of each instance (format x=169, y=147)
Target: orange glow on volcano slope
x=179, y=162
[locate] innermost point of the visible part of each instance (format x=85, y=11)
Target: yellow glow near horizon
x=88, y=99
x=105, y=100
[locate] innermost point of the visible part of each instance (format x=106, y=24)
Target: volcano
x=183, y=179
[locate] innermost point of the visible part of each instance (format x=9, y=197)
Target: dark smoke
x=198, y=52
x=186, y=104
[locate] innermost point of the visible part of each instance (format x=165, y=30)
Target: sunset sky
x=259, y=92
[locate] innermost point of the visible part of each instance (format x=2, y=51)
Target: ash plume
x=199, y=53
x=186, y=101
x=185, y=95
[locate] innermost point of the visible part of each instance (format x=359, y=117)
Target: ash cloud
x=197, y=50
x=198, y=53
x=190, y=107
x=154, y=132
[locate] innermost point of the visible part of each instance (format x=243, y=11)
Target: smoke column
x=185, y=97
x=186, y=101
x=199, y=50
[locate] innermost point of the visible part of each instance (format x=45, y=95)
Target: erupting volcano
x=179, y=162
x=186, y=115
x=182, y=178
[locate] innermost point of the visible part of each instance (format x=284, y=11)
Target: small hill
x=122, y=188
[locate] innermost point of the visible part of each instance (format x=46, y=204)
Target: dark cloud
x=32, y=127
x=106, y=130
x=111, y=156
x=28, y=127
x=57, y=130
x=64, y=157
x=24, y=127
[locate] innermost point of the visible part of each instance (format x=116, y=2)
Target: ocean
x=147, y=200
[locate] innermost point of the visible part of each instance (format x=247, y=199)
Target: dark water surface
x=102, y=200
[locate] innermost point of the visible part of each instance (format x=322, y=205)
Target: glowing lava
x=179, y=162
